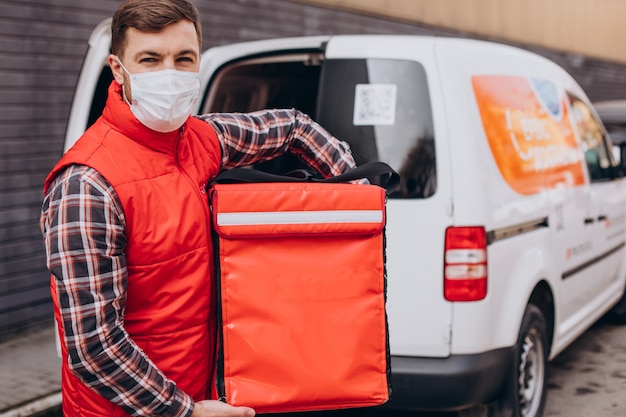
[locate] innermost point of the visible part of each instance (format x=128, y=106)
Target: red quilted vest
x=160, y=179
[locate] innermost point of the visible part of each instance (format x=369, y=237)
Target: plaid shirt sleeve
x=247, y=138
x=83, y=229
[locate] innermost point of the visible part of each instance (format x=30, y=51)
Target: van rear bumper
x=451, y=383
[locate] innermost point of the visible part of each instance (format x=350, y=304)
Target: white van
x=507, y=238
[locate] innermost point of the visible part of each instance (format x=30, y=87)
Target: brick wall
x=42, y=43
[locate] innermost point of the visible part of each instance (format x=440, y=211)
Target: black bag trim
x=389, y=178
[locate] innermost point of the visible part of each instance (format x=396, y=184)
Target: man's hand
x=212, y=408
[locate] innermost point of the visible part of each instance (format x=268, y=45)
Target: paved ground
x=589, y=378
x=586, y=380
x=30, y=373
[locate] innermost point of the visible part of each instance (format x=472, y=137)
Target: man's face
x=175, y=47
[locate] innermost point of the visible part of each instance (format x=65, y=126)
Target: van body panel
x=585, y=317
x=483, y=135
x=510, y=287
x=565, y=202
x=482, y=196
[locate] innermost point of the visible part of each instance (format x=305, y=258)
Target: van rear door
x=379, y=101
x=382, y=98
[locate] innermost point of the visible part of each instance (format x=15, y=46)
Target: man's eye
x=147, y=60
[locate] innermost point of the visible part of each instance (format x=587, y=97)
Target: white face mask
x=163, y=100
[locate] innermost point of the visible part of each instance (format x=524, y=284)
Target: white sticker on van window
x=375, y=104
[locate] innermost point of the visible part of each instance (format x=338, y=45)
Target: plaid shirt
x=83, y=226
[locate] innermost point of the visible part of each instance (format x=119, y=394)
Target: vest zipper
x=212, y=238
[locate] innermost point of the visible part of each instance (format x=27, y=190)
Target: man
x=125, y=222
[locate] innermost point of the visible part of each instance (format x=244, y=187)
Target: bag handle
x=389, y=178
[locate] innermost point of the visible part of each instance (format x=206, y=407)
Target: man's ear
x=116, y=69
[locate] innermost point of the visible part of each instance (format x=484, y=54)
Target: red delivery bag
x=301, y=282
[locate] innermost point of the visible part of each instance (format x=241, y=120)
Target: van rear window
x=382, y=109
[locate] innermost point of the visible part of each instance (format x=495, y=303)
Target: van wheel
x=531, y=368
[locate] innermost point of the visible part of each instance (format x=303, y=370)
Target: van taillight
x=465, y=264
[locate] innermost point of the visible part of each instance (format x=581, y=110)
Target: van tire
x=530, y=373
x=525, y=393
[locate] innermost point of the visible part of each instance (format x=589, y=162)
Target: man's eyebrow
x=158, y=55
x=188, y=52
x=150, y=53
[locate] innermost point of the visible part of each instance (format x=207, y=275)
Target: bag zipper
x=219, y=372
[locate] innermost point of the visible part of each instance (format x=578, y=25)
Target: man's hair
x=150, y=16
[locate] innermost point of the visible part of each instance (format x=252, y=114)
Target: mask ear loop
x=119, y=61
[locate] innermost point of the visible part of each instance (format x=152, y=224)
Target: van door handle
x=589, y=220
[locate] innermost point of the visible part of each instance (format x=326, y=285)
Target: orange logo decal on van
x=529, y=132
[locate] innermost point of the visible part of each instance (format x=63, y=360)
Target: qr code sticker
x=374, y=104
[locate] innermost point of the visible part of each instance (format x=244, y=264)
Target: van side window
x=595, y=144
x=382, y=108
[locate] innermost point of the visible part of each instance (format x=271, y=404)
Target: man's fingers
x=248, y=412
x=211, y=408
